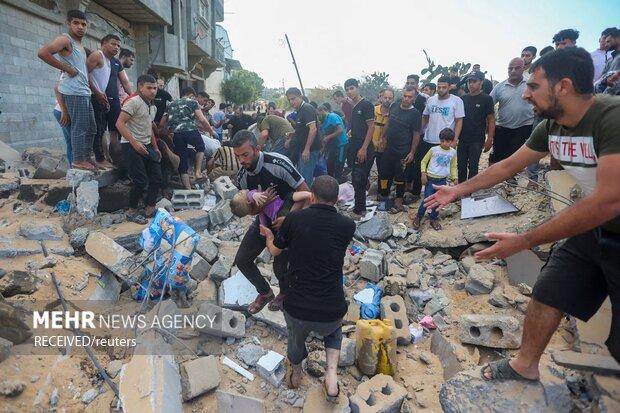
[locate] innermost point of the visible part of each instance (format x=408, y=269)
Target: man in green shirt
x=582, y=132
x=274, y=131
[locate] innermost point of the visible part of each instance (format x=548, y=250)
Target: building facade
x=173, y=39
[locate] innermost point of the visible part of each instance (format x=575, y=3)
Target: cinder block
x=347, y=352
x=199, y=268
x=393, y=308
x=220, y=213
x=224, y=187
x=198, y=376
x=188, y=199
x=496, y=331
x=222, y=322
x=271, y=367
x=381, y=394
x=372, y=265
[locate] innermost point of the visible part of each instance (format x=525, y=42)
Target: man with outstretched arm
x=581, y=131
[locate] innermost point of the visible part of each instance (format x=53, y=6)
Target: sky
x=338, y=39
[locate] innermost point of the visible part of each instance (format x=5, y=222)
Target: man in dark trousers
x=263, y=170
x=317, y=239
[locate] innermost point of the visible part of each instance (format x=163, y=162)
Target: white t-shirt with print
x=441, y=115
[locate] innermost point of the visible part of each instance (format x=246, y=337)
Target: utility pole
x=295, y=64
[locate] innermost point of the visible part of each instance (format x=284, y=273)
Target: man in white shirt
x=443, y=110
x=601, y=56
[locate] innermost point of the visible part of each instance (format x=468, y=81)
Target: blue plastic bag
x=372, y=311
x=321, y=166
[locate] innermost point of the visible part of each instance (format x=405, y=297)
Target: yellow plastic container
x=375, y=347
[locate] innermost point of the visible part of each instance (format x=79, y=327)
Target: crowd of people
x=289, y=168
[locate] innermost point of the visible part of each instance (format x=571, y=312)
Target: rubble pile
x=451, y=314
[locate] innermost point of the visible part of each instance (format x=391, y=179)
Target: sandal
x=435, y=225
x=416, y=223
x=276, y=303
x=502, y=370
x=260, y=302
x=396, y=209
x=328, y=397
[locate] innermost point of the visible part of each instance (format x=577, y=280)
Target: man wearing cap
x=479, y=120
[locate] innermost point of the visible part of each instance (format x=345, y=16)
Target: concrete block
x=198, y=376
x=347, y=352
x=224, y=187
x=11, y=248
x=61, y=247
x=111, y=255
x=353, y=313
x=490, y=330
x=188, y=199
x=50, y=168
x=236, y=292
x=199, y=268
x=207, y=249
x=220, y=213
x=479, y=281
x=372, y=265
x=446, y=352
x=221, y=269
x=236, y=403
x=381, y=394
x=206, y=291
x=87, y=199
x=40, y=230
x=393, y=308
x=596, y=363
x=221, y=322
x=5, y=348
x=271, y=368
x=76, y=176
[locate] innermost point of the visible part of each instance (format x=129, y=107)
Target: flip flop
x=331, y=399
x=260, y=302
x=502, y=370
x=276, y=303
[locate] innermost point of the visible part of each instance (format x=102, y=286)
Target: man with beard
x=528, y=55
x=581, y=131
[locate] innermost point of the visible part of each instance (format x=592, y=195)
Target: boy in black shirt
x=403, y=136
x=479, y=115
x=360, y=152
x=307, y=143
x=317, y=239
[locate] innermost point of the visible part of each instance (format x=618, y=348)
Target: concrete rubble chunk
x=165, y=203
x=250, y=353
x=609, y=385
x=353, y=313
x=393, y=308
x=596, y=363
x=87, y=199
x=221, y=269
x=12, y=388
x=78, y=236
x=207, y=249
x=220, y=213
x=448, y=237
x=236, y=403
x=413, y=275
x=315, y=402
x=468, y=392
x=523, y=267
x=372, y=265
x=188, y=199
x=497, y=331
x=13, y=327
x=18, y=282
x=420, y=254
x=89, y=396
x=224, y=187
x=274, y=319
x=50, y=168
x=236, y=292
x=445, y=350
x=8, y=185
x=199, y=269
x=479, y=281
x=448, y=270
x=221, y=322
x=40, y=231
x=107, y=289
x=61, y=247
x=271, y=368
x=206, y=291
x=198, y=376
x=110, y=254
x=376, y=228
x=381, y=394
x=347, y=352
x=113, y=368
x=76, y=176
x=5, y=349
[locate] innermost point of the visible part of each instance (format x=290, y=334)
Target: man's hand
x=305, y=155
x=65, y=119
x=277, y=223
x=444, y=195
x=361, y=155
x=409, y=158
x=263, y=198
x=424, y=178
x=158, y=152
x=507, y=244
x=266, y=232
x=103, y=100
x=488, y=144
x=139, y=147
x=71, y=71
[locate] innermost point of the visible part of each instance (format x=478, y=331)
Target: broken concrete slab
x=220, y=213
x=448, y=237
x=111, y=255
x=224, y=187
x=13, y=327
x=113, y=197
x=77, y=237
x=250, y=353
x=376, y=228
x=479, y=280
x=18, y=282
x=468, y=392
x=75, y=177
x=107, y=289
x=393, y=308
x=235, y=403
x=198, y=376
x=87, y=199
x=50, y=168
x=353, y=313
x=523, y=267
x=206, y=291
x=8, y=185
x=315, y=402
x=207, y=249
x=347, y=352
x=379, y=394
x=61, y=247
x=560, y=182
x=445, y=350
x=236, y=292
x=221, y=322
x=221, y=269
x=271, y=368
x=372, y=265
x=40, y=231
x=595, y=363
x=199, y=268
x=497, y=331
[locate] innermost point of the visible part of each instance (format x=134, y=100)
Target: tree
x=371, y=85
x=320, y=94
x=434, y=70
x=243, y=86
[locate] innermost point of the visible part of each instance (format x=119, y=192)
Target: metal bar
x=303, y=92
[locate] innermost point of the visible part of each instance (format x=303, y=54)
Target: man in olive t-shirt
x=277, y=130
x=582, y=131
